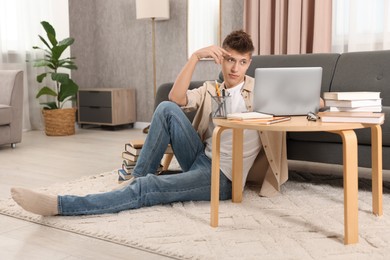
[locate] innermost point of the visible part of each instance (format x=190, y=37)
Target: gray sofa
x=354, y=71
x=11, y=107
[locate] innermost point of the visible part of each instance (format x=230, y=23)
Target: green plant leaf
x=61, y=47
x=57, y=51
x=49, y=105
x=41, y=63
x=60, y=77
x=70, y=66
x=44, y=41
x=51, y=33
x=67, y=60
x=66, y=42
x=46, y=91
x=48, y=28
x=41, y=77
x=51, y=66
x=67, y=89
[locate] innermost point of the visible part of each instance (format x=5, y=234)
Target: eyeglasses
x=312, y=116
x=233, y=61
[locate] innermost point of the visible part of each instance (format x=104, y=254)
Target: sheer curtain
x=361, y=25
x=289, y=26
x=19, y=29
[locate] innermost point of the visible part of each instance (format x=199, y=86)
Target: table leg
x=214, y=202
x=167, y=161
x=237, y=165
x=350, y=186
x=376, y=166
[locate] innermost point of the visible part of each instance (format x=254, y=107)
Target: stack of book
x=364, y=101
x=130, y=156
x=358, y=107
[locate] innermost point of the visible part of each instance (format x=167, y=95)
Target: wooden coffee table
x=301, y=124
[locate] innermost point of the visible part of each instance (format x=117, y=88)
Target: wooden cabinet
x=106, y=106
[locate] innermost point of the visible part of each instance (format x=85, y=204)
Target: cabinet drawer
x=95, y=98
x=95, y=115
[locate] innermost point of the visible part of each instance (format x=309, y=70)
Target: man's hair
x=239, y=41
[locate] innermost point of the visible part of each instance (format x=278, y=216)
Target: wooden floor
x=40, y=161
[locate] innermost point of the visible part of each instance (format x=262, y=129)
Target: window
x=360, y=25
x=203, y=24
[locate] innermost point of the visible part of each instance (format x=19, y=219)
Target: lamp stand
x=154, y=57
x=146, y=129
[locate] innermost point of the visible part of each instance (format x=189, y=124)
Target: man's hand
x=214, y=52
x=182, y=82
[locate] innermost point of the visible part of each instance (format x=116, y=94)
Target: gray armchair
x=11, y=107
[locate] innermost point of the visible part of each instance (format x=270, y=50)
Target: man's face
x=234, y=67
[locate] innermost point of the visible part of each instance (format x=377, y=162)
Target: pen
x=217, y=89
x=212, y=96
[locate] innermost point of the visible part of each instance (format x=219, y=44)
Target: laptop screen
x=287, y=91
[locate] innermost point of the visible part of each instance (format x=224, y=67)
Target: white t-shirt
x=252, y=143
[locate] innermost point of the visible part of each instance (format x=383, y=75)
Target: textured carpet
x=304, y=222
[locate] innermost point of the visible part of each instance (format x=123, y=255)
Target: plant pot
x=59, y=122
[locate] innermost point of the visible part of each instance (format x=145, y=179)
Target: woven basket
x=59, y=122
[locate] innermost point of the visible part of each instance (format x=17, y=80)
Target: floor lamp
x=154, y=10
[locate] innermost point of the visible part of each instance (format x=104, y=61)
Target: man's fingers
x=214, y=52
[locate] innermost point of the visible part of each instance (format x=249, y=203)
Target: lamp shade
x=158, y=9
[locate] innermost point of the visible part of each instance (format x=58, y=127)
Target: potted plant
x=58, y=120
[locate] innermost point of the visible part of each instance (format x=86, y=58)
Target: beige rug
x=305, y=222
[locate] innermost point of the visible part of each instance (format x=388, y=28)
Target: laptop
x=287, y=91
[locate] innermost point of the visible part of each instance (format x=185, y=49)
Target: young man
x=191, y=145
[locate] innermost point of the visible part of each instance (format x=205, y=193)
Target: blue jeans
x=169, y=125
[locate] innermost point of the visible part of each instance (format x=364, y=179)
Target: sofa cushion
x=364, y=71
x=5, y=114
x=164, y=89
x=7, y=80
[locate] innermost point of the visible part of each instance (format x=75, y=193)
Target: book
x=135, y=147
x=268, y=121
x=248, y=115
x=128, y=163
x=129, y=156
x=126, y=169
x=352, y=117
x=359, y=95
x=356, y=109
x=124, y=175
x=353, y=103
x=131, y=149
x=136, y=143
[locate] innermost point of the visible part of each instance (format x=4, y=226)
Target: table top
x=296, y=124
